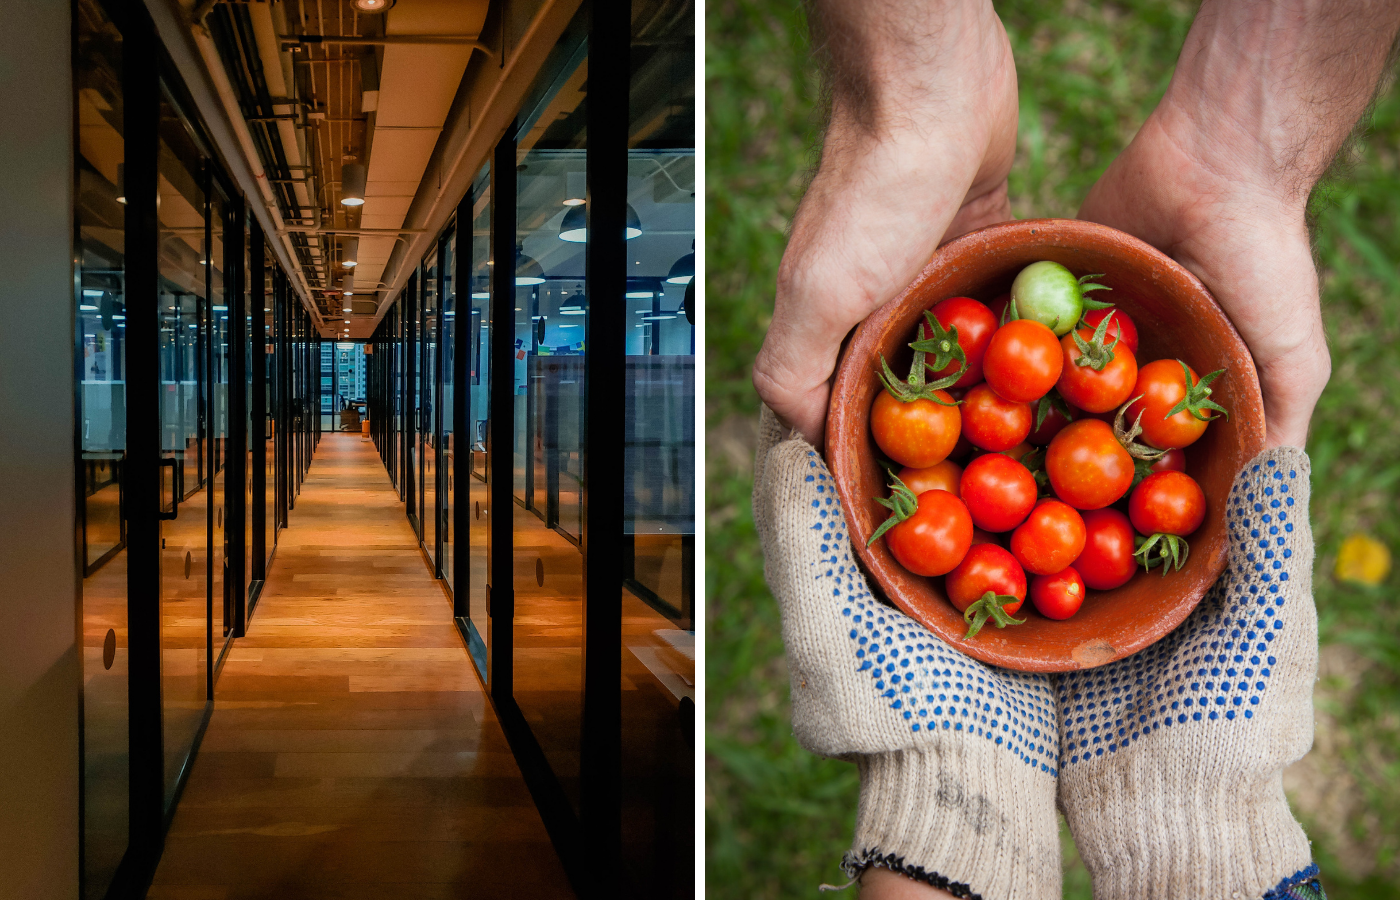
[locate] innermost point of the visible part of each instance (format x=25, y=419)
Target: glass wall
x=551, y=307
x=100, y=332
x=447, y=299
x=428, y=388
x=192, y=385
x=477, y=340
x=658, y=631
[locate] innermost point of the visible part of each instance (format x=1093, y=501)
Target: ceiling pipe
x=194, y=55
x=456, y=40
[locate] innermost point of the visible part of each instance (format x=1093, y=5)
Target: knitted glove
x=957, y=759
x=1173, y=758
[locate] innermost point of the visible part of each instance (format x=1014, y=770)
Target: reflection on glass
x=265, y=312
x=186, y=564
x=445, y=408
x=658, y=660
x=551, y=308
x=478, y=415
x=100, y=327
x=428, y=380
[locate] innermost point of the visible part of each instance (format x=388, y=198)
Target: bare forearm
x=1269, y=91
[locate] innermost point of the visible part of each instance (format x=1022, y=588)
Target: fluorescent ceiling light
x=639, y=295
x=89, y=292
x=87, y=306
x=656, y=318
x=221, y=309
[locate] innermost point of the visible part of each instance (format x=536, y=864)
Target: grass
x=778, y=818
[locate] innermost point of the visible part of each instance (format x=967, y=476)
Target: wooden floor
x=352, y=753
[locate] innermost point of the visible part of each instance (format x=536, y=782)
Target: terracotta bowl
x=1176, y=317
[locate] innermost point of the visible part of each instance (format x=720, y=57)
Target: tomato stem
x=1085, y=287
x=1127, y=436
x=916, y=387
x=1171, y=551
x=990, y=606
x=1094, y=353
x=943, y=344
x=1198, y=396
x=902, y=503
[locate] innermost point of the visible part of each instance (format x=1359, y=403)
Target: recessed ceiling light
x=575, y=201
x=373, y=6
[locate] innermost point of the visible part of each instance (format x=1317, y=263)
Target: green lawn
x=778, y=818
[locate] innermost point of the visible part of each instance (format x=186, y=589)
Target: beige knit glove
x=1173, y=758
x=957, y=759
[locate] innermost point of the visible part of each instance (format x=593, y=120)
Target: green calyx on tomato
x=1168, y=550
x=1198, y=396
x=943, y=344
x=902, y=504
x=1035, y=462
x=1051, y=400
x=1050, y=294
x=1128, y=436
x=989, y=607
x=916, y=387
x=1094, y=353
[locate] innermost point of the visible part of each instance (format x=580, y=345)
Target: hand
x=921, y=138
x=957, y=759
x=1246, y=242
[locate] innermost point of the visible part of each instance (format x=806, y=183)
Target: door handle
x=174, y=489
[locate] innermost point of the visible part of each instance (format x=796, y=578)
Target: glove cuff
x=971, y=821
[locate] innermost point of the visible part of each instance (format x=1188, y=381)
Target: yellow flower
x=1363, y=560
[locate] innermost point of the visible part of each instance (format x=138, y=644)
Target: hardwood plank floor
x=352, y=753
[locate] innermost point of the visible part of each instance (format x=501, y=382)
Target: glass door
x=189, y=447
x=446, y=437
x=479, y=264
x=100, y=351
x=428, y=511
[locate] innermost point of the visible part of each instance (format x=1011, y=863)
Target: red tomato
x=983, y=537
x=941, y=477
x=1096, y=391
x=1023, y=361
x=1167, y=503
x=1058, y=596
x=1107, y=561
x=1162, y=385
x=975, y=324
x=1121, y=327
x=1087, y=466
x=993, y=423
x=935, y=538
x=986, y=567
x=1050, y=539
x=998, y=491
x=1174, y=460
x=916, y=434
x=1054, y=421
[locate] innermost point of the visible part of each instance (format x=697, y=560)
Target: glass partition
x=551, y=308
x=447, y=439
x=658, y=636
x=478, y=416
x=187, y=279
x=100, y=332
x=428, y=432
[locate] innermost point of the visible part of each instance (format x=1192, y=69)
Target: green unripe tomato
x=1048, y=293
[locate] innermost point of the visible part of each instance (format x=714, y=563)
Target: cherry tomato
x=1058, y=596
x=1048, y=293
x=1098, y=391
x=1107, y=561
x=993, y=423
x=983, y=537
x=1167, y=503
x=975, y=324
x=935, y=538
x=941, y=477
x=998, y=491
x=1054, y=421
x=1174, y=460
x=986, y=567
x=1162, y=385
x=1121, y=327
x=916, y=434
x=998, y=304
x=1023, y=361
x=1050, y=539
x=1087, y=466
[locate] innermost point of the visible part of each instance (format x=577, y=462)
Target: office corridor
x=352, y=752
